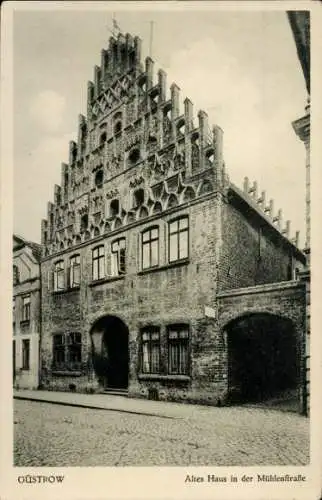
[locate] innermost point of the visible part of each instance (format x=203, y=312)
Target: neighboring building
x=26, y=313
x=160, y=278
x=300, y=26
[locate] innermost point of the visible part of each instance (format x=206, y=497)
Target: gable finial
x=116, y=30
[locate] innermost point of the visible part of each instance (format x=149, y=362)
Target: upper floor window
x=117, y=127
x=74, y=276
x=138, y=197
x=15, y=271
x=178, y=239
x=99, y=177
x=26, y=308
x=98, y=262
x=67, y=351
x=150, y=354
x=84, y=222
x=103, y=137
x=178, y=341
x=59, y=276
x=25, y=354
x=114, y=207
x=118, y=257
x=134, y=155
x=150, y=248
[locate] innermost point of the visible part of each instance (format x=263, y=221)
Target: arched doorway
x=263, y=358
x=110, y=352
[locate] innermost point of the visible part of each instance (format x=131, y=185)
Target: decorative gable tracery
x=130, y=125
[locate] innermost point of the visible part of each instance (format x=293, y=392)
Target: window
x=15, y=272
x=150, y=356
x=26, y=308
x=59, y=276
x=114, y=208
x=84, y=222
x=99, y=179
x=25, y=354
x=74, y=272
x=117, y=127
x=103, y=138
x=134, y=156
x=178, y=339
x=118, y=257
x=178, y=239
x=98, y=261
x=138, y=197
x=150, y=248
x=67, y=351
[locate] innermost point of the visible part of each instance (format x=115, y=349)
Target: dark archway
x=110, y=352
x=263, y=358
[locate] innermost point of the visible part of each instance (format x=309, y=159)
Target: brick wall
x=251, y=253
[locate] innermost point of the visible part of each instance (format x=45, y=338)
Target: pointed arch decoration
x=204, y=187
x=172, y=201
x=143, y=212
x=188, y=194
x=157, y=208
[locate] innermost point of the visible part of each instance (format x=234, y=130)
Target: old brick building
x=144, y=242
x=26, y=313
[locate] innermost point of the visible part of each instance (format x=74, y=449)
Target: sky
x=240, y=67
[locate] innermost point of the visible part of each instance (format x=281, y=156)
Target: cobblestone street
x=53, y=435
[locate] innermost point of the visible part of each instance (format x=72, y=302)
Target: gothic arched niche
x=172, y=201
x=143, y=212
x=188, y=194
x=205, y=187
x=157, y=208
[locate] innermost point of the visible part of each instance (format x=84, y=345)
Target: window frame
x=63, y=351
x=25, y=352
x=178, y=342
x=26, y=307
x=96, y=259
x=178, y=232
x=72, y=265
x=149, y=242
x=120, y=253
x=150, y=342
x=57, y=273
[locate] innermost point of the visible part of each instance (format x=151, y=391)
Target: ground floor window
x=178, y=341
x=25, y=354
x=151, y=350
x=67, y=351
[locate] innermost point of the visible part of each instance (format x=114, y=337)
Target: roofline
x=254, y=207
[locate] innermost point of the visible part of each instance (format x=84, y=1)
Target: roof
x=20, y=242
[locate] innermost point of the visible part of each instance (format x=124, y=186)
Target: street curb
x=93, y=407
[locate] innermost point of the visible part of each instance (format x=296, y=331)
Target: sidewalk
x=113, y=403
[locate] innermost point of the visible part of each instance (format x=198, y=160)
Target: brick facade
x=141, y=165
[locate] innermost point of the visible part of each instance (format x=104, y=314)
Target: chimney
x=246, y=185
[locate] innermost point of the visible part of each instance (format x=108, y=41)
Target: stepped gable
x=134, y=137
